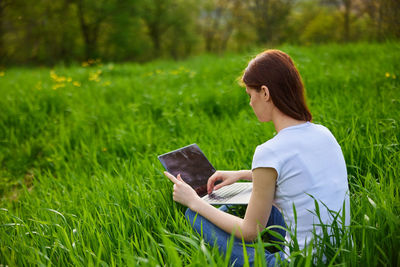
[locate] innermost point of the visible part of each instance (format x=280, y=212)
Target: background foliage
x=48, y=32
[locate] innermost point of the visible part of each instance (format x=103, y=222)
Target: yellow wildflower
x=60, y=79
x=77, y=84
x=58, y=85
x=53, y=75
x=175, y=72
x=107, y=83
x=95, y=76
x=85, y=64
x=387, y=74
x=69, y=79
x=2, y=73
x=104, y=149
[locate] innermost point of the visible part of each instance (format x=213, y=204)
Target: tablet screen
x=192, y=164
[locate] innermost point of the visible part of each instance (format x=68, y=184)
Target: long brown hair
x=276, y=70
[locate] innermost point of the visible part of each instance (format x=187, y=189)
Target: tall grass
x=80, y=183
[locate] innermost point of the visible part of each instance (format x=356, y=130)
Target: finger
x=218, y=186
x=211, y=181
x=171, y=177
x=179, y=178
x=210, y=187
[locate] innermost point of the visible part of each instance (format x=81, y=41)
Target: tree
x=385, y=15
x=270, y=18
x=170, y=25
x=212, y=16
x=345, y=6
x=122, y=34
x=91, y=14
x=3, y=5
x=219, y=20
x=347, y=10
x=157, y=17
x=181, y=37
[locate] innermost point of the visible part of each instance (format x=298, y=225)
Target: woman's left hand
x=183, y=193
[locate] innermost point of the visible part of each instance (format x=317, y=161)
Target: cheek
x=251, y=100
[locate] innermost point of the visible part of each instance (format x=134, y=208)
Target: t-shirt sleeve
x=266, y=158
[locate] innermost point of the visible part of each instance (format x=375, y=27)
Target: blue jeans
x=214, y=235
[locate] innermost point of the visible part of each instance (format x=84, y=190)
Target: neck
x=281, y=121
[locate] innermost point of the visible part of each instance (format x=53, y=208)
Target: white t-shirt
x=308, y=160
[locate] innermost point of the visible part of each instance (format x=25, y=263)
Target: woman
x=302, y=162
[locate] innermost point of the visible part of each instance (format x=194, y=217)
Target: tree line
x=47, y=32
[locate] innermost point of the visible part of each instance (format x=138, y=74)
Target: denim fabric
x=214, y=235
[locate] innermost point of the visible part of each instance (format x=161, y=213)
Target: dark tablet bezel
x=193, y=165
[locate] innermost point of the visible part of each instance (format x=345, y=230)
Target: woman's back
x=309, y=162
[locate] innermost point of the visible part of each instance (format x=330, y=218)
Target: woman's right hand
x=227, y=178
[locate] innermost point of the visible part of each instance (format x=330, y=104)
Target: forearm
x=257, y=212
x=246, y=175
x=225, y=221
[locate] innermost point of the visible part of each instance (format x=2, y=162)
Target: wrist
x=194, y=205
x=245, y=175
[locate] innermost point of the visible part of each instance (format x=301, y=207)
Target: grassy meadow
x=80, y=183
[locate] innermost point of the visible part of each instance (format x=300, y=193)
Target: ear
x=265, y=93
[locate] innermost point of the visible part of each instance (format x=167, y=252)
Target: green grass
x=80, y=183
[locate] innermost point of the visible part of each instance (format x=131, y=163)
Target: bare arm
x=257, y=212
x=246, y=175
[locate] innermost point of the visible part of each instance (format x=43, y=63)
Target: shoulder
x=322, y=134
x=291, y=142
x=321, y=129
x=306, y=133
x=267, y=155
x=269, y=147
